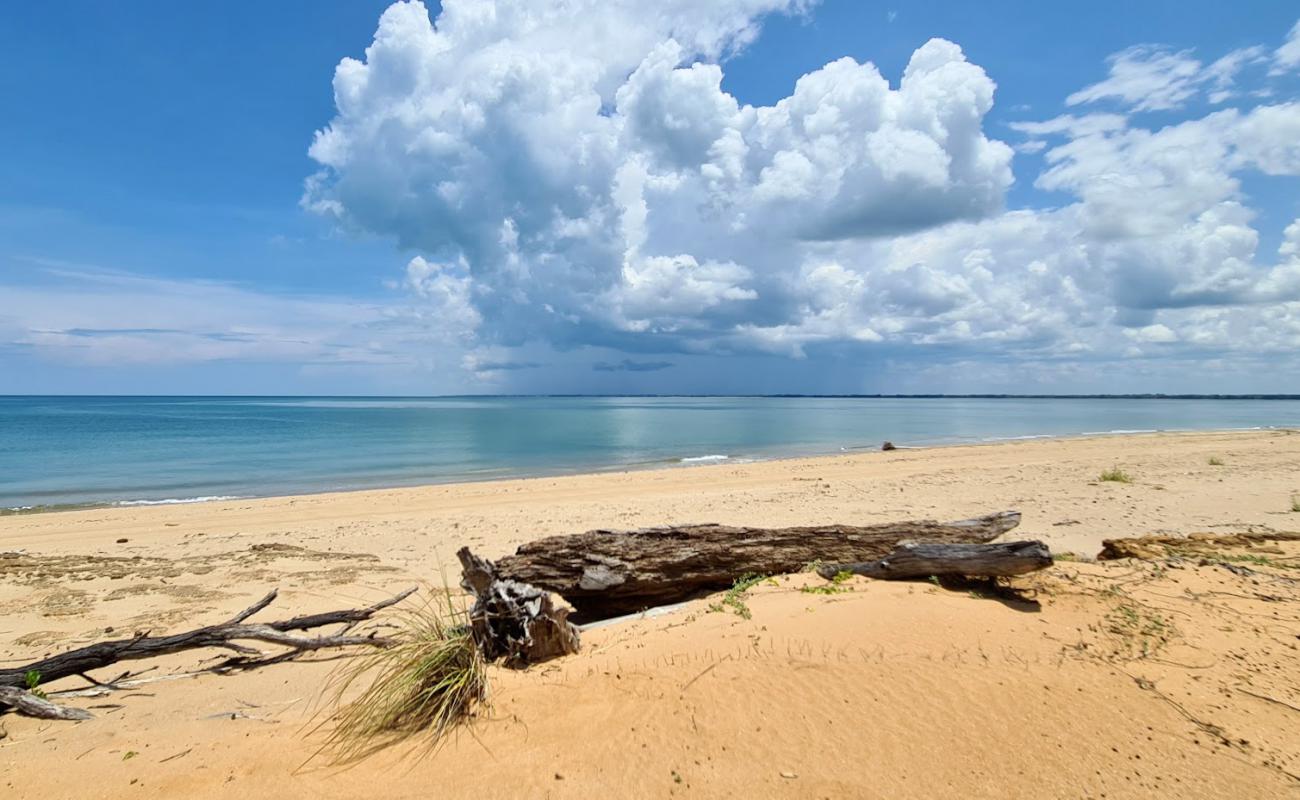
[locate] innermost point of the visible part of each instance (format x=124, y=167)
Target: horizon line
x=670, y=395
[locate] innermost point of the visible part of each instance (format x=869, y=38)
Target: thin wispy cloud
x=628, y=365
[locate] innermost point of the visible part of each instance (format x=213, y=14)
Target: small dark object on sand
x=888, y=446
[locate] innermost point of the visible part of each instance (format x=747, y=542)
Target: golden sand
x=1125, y=679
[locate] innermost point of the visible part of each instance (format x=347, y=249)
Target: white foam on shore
x=698, y=459
x=172, y=501
x=1020, y=438
x=1119, y=431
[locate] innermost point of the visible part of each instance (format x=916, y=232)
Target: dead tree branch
x=227, y=635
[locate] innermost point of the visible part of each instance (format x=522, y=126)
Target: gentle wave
x=61, y=453
x=172, y=501
x=1019, y=438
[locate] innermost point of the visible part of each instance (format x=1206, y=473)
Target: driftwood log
x=226, y=635
x=605, y=573
x=920, y=560
x=511, y=620
x=1203, y=545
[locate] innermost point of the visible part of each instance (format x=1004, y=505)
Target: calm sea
x=57, y=451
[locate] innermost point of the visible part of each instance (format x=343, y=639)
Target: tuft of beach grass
x=429, y=681
x=1116, y=475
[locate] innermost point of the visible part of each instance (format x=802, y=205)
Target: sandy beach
x=1117, y=679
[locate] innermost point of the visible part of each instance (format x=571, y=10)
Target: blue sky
x=1059, y=201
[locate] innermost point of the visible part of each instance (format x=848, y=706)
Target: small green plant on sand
x=429, y=680
x=1215, y=461
x=1116, y=475
x=734, y=599
x=32, y=679
x=1295, y=503
x=835, y=586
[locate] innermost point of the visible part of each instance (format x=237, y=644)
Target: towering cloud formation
x=573, y=172
x=583, y=167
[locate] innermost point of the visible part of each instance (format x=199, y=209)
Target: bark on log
x=226, y=635
x=513, y=620
x=605, y=573
x=918, y=560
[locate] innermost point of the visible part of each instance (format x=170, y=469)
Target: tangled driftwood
x=226, y=635
x=601, y=573
x=512, y=620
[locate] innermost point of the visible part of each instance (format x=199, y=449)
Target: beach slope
x=1174, y=674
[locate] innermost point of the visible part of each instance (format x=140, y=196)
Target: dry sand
x=1123, y=679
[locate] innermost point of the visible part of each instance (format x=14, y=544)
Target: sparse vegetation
x=1295, y=503
x=835, y=586
x=734, y=599
x=1257, y=560
x=430, y=680
x=1116, y=475
x=1145, y=629
x=33, y=680
x=1215, y=461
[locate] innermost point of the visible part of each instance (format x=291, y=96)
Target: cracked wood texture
x=605, y=573
x=919, y=560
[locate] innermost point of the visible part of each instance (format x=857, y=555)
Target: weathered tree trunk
x=513, y=620
x=606, y=573
x=918, y=560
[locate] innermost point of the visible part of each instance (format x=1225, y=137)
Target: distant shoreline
x=927, y=396
x=685, y=463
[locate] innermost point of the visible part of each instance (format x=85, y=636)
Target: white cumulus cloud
x=575, y=174
x=639, y=197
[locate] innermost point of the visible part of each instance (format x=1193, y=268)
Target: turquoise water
x=57, y=451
